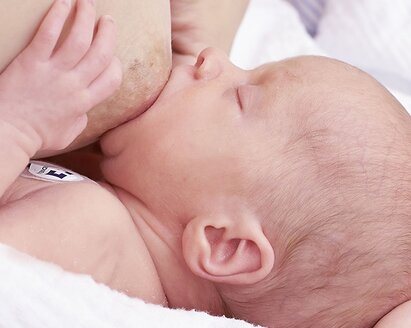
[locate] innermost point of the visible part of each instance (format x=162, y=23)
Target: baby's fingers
x=45, y=40
x=107, y=83
x=101, y=52
x=80, y=36
x=66, y=137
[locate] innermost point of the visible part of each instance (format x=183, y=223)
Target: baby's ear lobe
x=227, y=252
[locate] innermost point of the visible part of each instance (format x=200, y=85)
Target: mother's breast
x=143, y=46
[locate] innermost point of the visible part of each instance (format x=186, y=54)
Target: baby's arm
x=47, y=90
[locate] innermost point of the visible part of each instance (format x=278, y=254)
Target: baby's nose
x=211, y=62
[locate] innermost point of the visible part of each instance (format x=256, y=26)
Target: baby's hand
x=47, y=90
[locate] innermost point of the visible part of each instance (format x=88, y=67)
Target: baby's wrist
x=20, y=135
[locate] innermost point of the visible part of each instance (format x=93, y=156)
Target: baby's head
x=291, y=183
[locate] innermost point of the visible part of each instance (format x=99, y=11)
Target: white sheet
x=271, y=31
x=35, y=294
x=374, y=35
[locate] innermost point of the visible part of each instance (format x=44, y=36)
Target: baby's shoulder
x=77, y=224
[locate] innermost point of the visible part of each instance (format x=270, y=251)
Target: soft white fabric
x=34, y=294
x=310, y=12
x=374, y=35
x=271, y=31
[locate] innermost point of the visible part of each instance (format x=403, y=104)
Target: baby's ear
x=227, y=250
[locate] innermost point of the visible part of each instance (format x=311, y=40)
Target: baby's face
x=217, y=131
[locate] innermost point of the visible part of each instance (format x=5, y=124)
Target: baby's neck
x=163, y=240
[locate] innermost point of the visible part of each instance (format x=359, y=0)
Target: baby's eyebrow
x=267, y=73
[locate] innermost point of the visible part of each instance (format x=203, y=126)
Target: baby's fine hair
x=340, y=222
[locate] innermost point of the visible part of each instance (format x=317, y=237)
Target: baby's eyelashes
x=238, y=98
x=246, y=95
x=233, y=95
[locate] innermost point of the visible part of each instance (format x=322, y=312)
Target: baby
x=280, y=196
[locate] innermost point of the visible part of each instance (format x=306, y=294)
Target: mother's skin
x=143, y=46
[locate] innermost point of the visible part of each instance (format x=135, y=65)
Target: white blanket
x=374, y=35
x=34, y=294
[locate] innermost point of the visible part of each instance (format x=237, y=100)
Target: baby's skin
x=184, y=218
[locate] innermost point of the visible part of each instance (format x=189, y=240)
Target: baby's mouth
x=181, y=77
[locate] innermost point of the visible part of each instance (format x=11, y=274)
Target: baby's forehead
x=286, y=83
x=310, y=91
x=317, y=79
x=310, y=66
